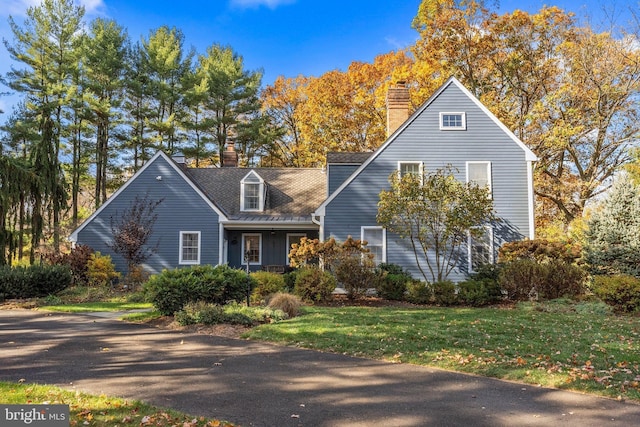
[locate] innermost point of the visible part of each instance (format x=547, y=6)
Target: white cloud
x=19, y=7
x=271, y=4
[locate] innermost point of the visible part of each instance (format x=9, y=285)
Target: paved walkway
x=257, y=384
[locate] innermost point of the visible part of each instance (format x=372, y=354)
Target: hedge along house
x=227, y=215
x=253, y=215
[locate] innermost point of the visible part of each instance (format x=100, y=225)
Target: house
x=253, y=215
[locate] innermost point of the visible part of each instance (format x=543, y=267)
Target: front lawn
x=93, y=410
x=565, y=345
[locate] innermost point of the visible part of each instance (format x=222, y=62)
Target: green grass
x=98, y=306
x=565, y=345
x=92, y=410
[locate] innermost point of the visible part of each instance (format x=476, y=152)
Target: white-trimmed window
x=453, y=121
x=189, y=247
x=376, y=238
x=252, y=193
x=252, y=248
x=291, y=239
x=413, y=168
x=480, y=173
x=480, y=248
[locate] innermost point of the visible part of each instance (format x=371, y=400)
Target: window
x=414, y=168
x=291, y=239
x=376, y=239
x=252, y=249
x=480, y=249
x=453, y=121
x=480, y=173
x=252, y=192
x=189, y=247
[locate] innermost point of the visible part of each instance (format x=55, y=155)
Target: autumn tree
x=436, y=213
x=569, y=93
x=132, y=229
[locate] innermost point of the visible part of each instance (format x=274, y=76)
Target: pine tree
x=613, y=236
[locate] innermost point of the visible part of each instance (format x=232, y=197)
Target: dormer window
x=252, y=193
x=453, y=121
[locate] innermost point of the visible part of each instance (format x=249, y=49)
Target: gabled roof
x=529, y=155
x=293, y=194
x=159, y=155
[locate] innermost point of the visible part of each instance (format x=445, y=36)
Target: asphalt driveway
x=256, y=384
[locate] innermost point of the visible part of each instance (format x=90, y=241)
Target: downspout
x=320, y=223
x=221, y=241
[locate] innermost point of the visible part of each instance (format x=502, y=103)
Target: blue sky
x=281, y=37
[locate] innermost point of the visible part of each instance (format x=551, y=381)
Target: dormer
x=252, y=193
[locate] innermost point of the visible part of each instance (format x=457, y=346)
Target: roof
x=292, y=194
x=347, y=157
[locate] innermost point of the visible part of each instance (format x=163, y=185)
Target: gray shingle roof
x=292, y=193
x=347, y=157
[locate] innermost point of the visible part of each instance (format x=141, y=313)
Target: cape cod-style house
x=232, y=215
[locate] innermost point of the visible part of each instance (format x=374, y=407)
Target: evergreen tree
x=613, y=235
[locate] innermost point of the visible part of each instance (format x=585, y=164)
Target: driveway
x=256, y=384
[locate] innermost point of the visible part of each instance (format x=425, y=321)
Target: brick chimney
x=397, y=106
x=230, y=155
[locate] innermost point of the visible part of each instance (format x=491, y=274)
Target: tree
x=132, y=230
x=232, y=99
x=46, y=47
x=104, y=52
x=166, y=64
x=613, y=235
x=436, y=213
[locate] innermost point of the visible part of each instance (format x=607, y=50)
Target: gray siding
x=182, y=209
x=338, y=173
x=422, y=140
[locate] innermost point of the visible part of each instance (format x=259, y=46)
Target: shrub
x=290, y=304
x=212, y=314
x=540, y=250
x=527, y=279
x=418, y=292
x=444, y=292
x=393, y=286
x=290, y=280
x=621, y=291
x=136, y=276
x=356, y=274
x=266, y=284
x=479, y=292
x=200, y=313
x=521, y=279
x=33, y=281
x=101, y=270
x=77, y=260
x=172, y=289
x=314, y=285
x=391, y=268
x=562, y=280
